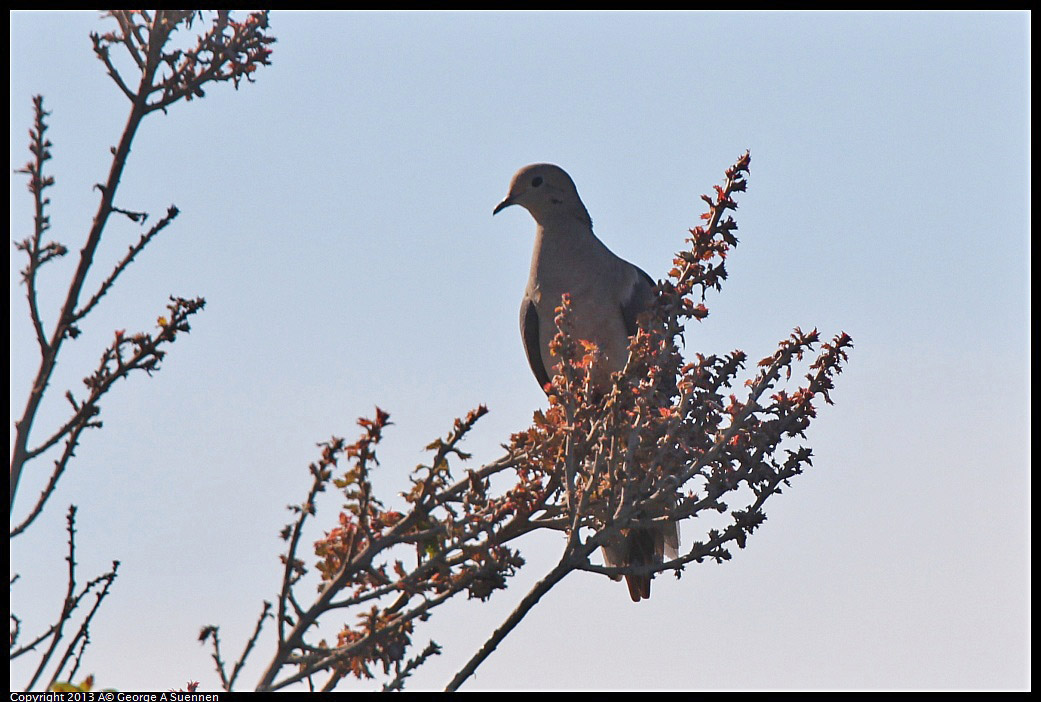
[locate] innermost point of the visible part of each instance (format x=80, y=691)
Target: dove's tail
x=639, y=587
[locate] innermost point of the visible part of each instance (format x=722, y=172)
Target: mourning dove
x=607, y=294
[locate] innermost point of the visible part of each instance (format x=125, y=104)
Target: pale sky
x=336, y=216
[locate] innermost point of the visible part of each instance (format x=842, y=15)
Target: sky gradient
x=336, y=216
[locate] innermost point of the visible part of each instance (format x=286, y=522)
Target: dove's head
x=547, y=192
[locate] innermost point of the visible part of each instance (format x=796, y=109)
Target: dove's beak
x=502, y=206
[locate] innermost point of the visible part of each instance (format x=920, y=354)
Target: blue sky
x=336, y=215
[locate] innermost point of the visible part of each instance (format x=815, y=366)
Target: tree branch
x=607, y=462
x=558, y=573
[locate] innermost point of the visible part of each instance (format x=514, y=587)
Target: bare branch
x=229, y=50
x=37, y=252
x=132, y=253
x=249, y=645
x=59, y=467
x=144, y=36
x=102, y=50
x=145, y=354
x=70, y=603
x=82, y=637
x=214, y=633
x=404, y=671
x=530, y=600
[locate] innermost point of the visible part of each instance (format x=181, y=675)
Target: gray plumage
x=607, y=295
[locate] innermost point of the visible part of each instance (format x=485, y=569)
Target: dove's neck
x=570, y=217
x=565, y=252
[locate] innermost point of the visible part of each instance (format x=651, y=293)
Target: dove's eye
x=536, y=181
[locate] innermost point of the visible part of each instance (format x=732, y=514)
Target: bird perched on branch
x=607, y=295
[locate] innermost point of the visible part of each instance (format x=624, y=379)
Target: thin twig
x=70, y=601
x=559, y=572
x=249, y=646
x=133, y=251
